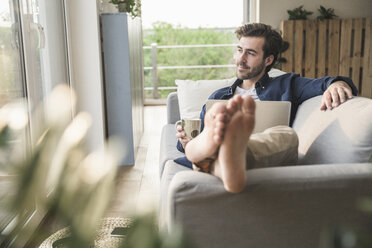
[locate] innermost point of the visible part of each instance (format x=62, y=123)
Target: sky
x=193, y=13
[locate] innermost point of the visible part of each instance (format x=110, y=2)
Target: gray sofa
x=290, y=206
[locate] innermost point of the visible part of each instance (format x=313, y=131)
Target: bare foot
x=206, y=144
x=231, y=163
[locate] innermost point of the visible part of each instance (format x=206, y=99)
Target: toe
x=218, y=108
x=248, y=105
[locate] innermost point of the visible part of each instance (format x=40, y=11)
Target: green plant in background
x=326, y=13
x=167, y=34
x=298, y=13
x=133, y=7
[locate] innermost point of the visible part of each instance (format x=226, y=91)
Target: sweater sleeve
x=306, y=88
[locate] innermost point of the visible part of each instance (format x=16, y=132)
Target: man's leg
x=276, y=146
x=230, y=165
x=239, y=150
x=206, y=144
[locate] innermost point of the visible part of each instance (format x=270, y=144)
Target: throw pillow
x=192, y=95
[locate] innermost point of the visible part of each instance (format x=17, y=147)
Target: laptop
x=268, y=113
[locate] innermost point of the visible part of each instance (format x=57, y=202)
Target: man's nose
x=242, y=57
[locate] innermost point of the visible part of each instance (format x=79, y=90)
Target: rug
x=104, y=239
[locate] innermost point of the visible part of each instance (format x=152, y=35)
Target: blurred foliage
x=166, y=34
x=64, y=181
x=299, y=13
x=359, y=235
x=133, y=7
x=144, y=233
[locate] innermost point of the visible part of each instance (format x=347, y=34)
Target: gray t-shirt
x=252, y=92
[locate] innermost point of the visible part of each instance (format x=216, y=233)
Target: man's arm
x=337, y=93
x=330, y=87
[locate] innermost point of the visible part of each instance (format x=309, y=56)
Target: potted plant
x=298, y=13
x=326, y=13
x=133, y=7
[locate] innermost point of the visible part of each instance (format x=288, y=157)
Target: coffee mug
x=190, y=126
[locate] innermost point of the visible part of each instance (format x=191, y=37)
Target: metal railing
x=154, y=47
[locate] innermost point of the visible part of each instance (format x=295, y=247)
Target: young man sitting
x=225, y=147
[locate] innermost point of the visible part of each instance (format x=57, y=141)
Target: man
x=225, y=147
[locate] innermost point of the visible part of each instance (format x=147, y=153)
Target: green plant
x=298, y=13
x=133, y=7
x=65, y=182
x=326, y=13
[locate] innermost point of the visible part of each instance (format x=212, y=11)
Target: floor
x=137, y=188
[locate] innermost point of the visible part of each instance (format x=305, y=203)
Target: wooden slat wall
x=331, y=47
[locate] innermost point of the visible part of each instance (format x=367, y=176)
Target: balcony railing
x=154, y=47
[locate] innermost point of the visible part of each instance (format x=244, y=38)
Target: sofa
x=287, y=206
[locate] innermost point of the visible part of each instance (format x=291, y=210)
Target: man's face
x=250, y=60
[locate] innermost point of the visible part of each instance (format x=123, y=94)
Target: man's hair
x=273, y=40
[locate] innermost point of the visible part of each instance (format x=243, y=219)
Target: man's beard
x=252, y=71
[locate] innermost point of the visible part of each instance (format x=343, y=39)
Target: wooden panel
x=367, y=61
x=357, y=51
x=310, y=49
x=299, y=48
x=322, y=47
x=340, y=46
x=334, y=43
x=345, y=46
x=287, y=31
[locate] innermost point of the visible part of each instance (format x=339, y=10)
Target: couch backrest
x=341, y=135
x=173, y=110
x=192, y=95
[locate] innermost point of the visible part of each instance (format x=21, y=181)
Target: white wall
x=85, y=64
x=272, y=12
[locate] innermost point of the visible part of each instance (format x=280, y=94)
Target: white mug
x=190, y=126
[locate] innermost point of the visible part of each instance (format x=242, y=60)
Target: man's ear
x=269, y=60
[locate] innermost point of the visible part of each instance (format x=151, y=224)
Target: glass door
x=12, y=88
x=11, y=69
x=33, y=60
x=45, y=55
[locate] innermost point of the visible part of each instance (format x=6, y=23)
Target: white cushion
x=192, y=95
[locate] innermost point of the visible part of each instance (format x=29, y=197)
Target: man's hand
x=336, y=94
x=181, y=135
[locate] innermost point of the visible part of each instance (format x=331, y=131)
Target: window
x=33, y=60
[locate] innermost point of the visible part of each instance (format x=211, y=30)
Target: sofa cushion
x=342, y=135
x=192, y=95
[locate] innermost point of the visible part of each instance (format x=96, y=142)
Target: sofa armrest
x=173, y=110
x=168, y=149
x=280, y=206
